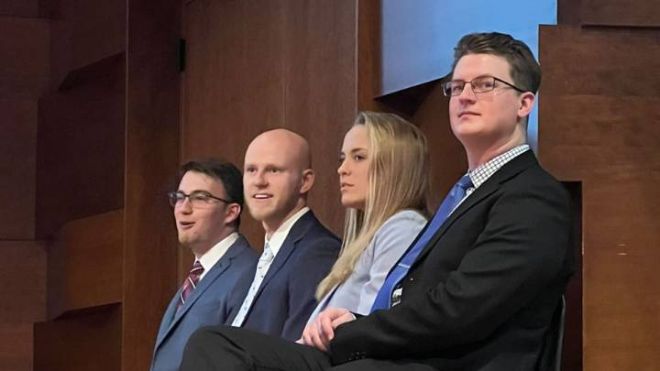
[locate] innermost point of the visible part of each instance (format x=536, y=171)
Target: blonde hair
x=398, y=179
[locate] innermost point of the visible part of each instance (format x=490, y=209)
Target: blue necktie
x=396, y=275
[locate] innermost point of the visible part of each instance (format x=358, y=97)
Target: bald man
x=298, y=250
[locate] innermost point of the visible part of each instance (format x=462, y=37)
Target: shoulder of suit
x=243, y=247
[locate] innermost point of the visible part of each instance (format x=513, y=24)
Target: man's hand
x=319, y=333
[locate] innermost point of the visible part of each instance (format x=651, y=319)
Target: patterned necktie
x=262, y=268
x=452, y=200
x=190, y=283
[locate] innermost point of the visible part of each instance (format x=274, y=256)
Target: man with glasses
x=481, y=286
x=207, y=208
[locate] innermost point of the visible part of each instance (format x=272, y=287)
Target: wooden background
x=96, y=118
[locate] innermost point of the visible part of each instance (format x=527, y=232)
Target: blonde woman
x=383, y=179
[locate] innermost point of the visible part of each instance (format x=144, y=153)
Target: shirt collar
x=277, y=238
x=485, y=171
x=213, y=255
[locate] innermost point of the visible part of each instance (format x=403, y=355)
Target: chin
x=352, y=204
x=259, y=215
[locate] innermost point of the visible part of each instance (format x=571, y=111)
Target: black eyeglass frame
x=174, y=199
x=448, y=92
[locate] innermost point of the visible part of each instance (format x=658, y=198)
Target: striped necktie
x=190, y=283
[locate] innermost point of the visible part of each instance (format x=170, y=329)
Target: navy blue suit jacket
x=285, y=298
x=209, y=304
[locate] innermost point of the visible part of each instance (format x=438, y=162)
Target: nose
x=343, y=168
x=467, y=94
x=184, y=206
x=259, y=179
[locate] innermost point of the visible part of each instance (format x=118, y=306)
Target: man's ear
x=307, y=181
x=526, y=104
x=232, y=213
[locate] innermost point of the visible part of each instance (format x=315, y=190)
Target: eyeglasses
x=197, y=199
x=481, y=84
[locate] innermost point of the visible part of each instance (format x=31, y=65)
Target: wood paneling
x=448, y=161
x=86, y=340
x=19, y=8
x=26, y=298
x=23, y=285
x=18, y=125
x=636, y=13
x=568, y=12
x=152, y=133
x=23, y=58
x=617, y=73
x=253, y=66
x=368, y=55
x=84, y=32
x=599, y=109
x=85, y=264
x=16, y=347
x=80, y=147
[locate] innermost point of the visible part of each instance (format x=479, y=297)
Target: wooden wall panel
x=448, y=161
x=23, y=77
x=84, y=32
x=152, y=134
x=18, y=125
x=368, y=55
x=599, y=111
x=253, y=66
x=23, y=57
x=636, y=13
x=568, y=12
x=16, y=348
x=87, y=340
x=26, y=298
x=19, y=8
x=85, y=264
x=25, y=301
x=80, y=147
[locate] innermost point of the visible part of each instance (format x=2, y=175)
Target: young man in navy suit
x=480, y=287
x=207, y=208
x=298, y=250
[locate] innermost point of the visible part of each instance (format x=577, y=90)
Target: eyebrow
x=194, y=191
x=353, y=150
x=474, y=78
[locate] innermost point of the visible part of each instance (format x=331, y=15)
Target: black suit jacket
x=481, y=294
x=285, y=299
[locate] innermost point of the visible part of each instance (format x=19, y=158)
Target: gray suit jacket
x=209, y=304
x=390, y=241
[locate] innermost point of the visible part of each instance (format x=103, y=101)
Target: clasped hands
x=321, y=331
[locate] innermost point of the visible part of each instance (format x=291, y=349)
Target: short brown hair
x=226, y=172
x=525, y=70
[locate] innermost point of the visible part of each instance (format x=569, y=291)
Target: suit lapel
x=208, y=280
x=296, y=233
x=508, y=171
x=168, y=318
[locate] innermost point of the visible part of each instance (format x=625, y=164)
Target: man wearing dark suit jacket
x=207, y=208
x=484, y=281
x=298, y=250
